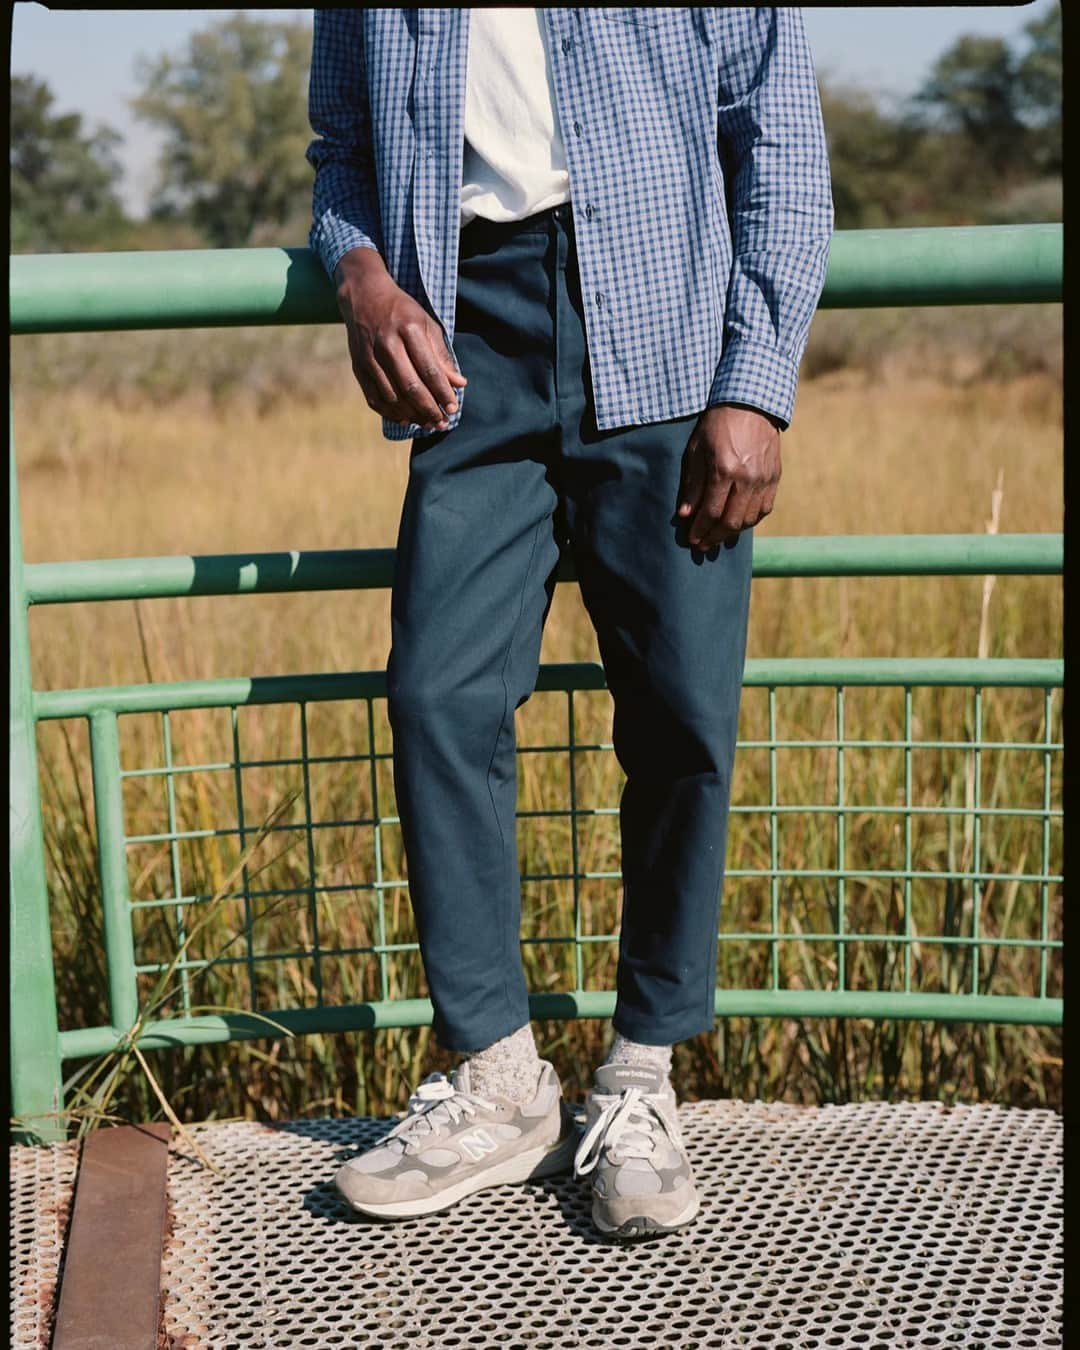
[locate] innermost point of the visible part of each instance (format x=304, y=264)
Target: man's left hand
x=730, y=473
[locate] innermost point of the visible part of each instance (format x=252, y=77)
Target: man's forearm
x=361, y=265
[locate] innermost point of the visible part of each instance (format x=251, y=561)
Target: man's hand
x=730, y=472
x=399, y=356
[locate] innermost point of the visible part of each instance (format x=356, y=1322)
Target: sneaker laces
x=435, y=1105
x=628, y=1121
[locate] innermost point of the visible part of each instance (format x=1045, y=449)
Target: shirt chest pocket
x=641, y=16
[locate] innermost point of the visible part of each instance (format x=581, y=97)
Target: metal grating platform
x=868, y=1225
x=42, y=1183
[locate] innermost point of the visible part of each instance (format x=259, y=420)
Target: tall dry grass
x=148, y=444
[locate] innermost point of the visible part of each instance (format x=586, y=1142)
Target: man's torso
x=636, y=92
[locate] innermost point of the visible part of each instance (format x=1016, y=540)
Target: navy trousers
x=487, y=506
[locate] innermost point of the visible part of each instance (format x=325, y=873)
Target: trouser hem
x=458, y=1044
x=652, y=1032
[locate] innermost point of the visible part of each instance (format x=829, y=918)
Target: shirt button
x=577, y=128
x=598, y=297
x=588, y=211
x=568, y=44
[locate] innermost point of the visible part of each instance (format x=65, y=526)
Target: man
x=577, y=252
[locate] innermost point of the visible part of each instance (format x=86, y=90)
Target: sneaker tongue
x=461, y=1077
x=612, y=1078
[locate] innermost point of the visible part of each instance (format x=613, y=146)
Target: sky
x=88, y=56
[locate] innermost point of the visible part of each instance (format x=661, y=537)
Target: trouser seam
x=495, y=748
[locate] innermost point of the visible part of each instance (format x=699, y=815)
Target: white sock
x=623, y=1051
x=508, y=1068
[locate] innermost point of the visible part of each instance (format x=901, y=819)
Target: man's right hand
x=399, y=355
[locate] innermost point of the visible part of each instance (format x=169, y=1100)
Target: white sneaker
x=453, y=1142
x=642, y=1182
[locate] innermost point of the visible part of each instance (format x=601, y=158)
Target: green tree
x=869, y=159
x=973, y=89
x=63, y=177
x=233, y=108
x=890, y=169
x=1039, y=77
x=1005, y=102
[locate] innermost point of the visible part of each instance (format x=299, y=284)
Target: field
x=162, y=444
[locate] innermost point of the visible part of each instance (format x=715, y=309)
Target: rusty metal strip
x=111, y=1283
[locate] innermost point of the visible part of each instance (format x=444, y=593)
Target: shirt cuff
x=331, y=238
x=761, y=376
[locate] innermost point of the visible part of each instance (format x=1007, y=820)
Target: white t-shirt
x=514, y=161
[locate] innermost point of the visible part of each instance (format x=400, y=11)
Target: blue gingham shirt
x=699, y=184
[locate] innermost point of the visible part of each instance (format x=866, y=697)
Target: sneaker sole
x=641, y=1225
x=532, y=1166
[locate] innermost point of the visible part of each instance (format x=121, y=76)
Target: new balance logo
x=478, y=1143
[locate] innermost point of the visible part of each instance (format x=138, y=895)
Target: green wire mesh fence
x=896, y=838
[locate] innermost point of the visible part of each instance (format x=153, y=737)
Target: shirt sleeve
x=345, y=204
x=772, y=140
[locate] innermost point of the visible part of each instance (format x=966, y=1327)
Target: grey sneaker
x=453, y=1142
x=642, y=1182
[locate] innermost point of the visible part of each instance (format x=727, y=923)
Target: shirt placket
x=439, y=112
x=570, y=75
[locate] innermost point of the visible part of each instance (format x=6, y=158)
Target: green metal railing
x=1016, y=264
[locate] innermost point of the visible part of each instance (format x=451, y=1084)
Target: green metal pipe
x=897, y=672
x=205, y=288
x=880, y=1005
x=373, y=569
x=184, y=288
x=215, y=574
x=112, y=868
x=225, y=693
x=909, y=555
x=888, y=671
x=34, y=1037
x=954, y=265
x=417, y=1012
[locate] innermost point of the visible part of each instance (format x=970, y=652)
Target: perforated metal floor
x=869, y=1225
x=42, y=1184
